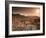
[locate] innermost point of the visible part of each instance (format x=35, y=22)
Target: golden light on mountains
x=24, y=18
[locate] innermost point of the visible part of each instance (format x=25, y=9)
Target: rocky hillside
x=21, y=22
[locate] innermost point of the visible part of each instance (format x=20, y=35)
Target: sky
x=26, y=11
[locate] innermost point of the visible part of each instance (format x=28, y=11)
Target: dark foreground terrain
x=21, y=23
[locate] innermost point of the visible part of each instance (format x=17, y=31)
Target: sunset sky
x=26, y=11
